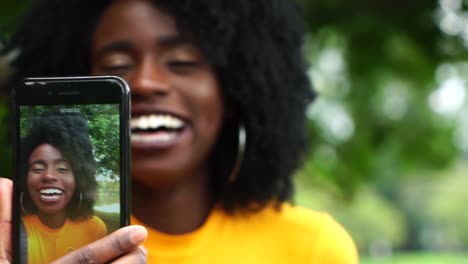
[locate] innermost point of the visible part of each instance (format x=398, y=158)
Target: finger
x=6, y=190
x=138, y=255
x=113, y=246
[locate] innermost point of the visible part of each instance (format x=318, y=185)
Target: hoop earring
x=241, y=142
x=81, y=200
x=21, y=204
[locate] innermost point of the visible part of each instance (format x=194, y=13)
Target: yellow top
x=46, y=244
x=292, y=235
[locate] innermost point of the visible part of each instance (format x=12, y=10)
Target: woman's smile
x=158, y=130
x=50, y=194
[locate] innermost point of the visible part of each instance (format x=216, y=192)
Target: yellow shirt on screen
x=293, y=235
x=46, y=244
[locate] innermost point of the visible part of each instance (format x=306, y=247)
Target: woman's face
x=50, y=181
x=177, y=108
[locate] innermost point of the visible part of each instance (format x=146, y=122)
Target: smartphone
x=71, y=164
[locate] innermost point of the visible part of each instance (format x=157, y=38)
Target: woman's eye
x=116, y=69
x=182, y=63
x=37, y=170
x=114, y=63
x=63, y=170
x=182, y=66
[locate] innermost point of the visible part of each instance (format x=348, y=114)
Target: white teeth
x=51, y=191
x=143, y=123
x=155, y=122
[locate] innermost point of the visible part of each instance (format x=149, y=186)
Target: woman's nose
x=49, y=176
x=149, y=79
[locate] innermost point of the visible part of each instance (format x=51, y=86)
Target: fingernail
x=138, y=235
x=142, y=248
x=145, y=253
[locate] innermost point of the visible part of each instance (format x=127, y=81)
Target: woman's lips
x=157, y=139
x=151, y=132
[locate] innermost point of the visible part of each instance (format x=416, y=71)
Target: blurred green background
x=389, y=131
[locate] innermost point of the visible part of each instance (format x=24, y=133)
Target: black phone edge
x=125, y=185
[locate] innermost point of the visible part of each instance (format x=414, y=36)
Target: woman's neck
x=177, y=210
x=53, y=221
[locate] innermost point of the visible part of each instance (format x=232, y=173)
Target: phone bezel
x=71, y=91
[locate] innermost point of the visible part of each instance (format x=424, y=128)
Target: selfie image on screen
x=70, y=177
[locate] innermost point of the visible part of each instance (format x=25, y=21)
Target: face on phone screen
x=70, y=177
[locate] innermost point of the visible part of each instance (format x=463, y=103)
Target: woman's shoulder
x=331, y=242
x=315, y=232
x=96, y=220
x=93, y=223
x=30, y=220
x=293, y=217
x=300, y=217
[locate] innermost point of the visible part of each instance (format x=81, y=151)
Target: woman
x=59, y=187
x=209, y=73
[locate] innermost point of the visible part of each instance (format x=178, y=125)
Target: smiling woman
x=59, y=187
x=219, y=92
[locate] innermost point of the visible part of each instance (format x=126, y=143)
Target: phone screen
x=69, y=178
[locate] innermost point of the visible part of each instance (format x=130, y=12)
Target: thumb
x=6, y=191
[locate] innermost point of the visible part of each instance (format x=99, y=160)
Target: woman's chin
x=51, y=209
x=158, y=175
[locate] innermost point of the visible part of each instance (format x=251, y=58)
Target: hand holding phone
x=122, y=246
x=117, y=247
x=71, y=157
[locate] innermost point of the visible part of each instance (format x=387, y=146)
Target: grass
x=418, y=258
x=112, y=220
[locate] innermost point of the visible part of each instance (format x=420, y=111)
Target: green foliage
x=439, y=208
x=108, y=192
x=379, y=72
x=103, y=124
x=9, y=13
x=383, y=223
x=418, y=258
